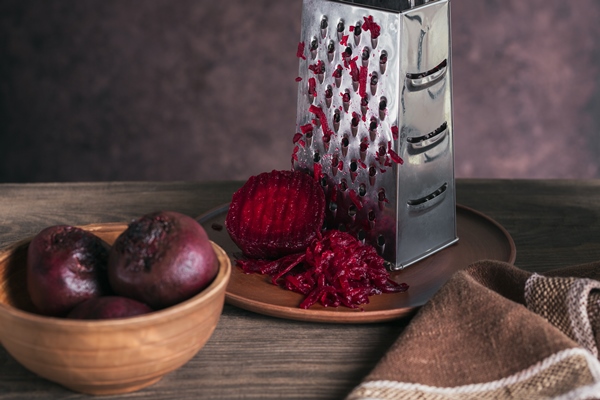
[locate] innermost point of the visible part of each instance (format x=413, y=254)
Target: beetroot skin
x=108, y=307
x=65, y=266
x=276, y=213
x=161, y=259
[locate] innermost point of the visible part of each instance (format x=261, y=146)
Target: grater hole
x=383, y=57
x=382, y=150
x=374, y=79
x=343, y=185
x=372, y=171
x=382, y=103
x=380, y=240
x=342, y=228
x=330, y=46
x=432, y=71
x=383, y=61
x=324, y=22
x=333, y=206
x=323, y=182
x=429, y=197
x=353, y=166
x=381, y=195
x=348, y=51
x=357, y=29
x=314, y=44
x=429, y=136
x=373, y=124
x=317, y=157
x=362, y=190
x=345, y=141
x=371, y=215
x=341, y=25
x=337, y=116
x=365, y=54
x=352, y=210
x=361, y=235
x=329, y=92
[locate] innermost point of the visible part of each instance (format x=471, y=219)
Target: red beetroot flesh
x=161, y=259
x=65, y=266
x=335, y=270
x=276, y=213
x=108, y=307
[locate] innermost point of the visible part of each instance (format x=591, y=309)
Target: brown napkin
x=494, y=331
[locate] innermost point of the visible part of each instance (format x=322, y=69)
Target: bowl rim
x=218, y=284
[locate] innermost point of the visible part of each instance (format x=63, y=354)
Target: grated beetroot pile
x=335, y=269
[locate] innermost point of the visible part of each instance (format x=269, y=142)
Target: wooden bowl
x=104, y=356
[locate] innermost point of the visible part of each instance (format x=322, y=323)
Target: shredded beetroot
x=317, y=171
x=362, y=81
x=306, y=128
x=395, y=132
x=312, y=84
x=317, y=68
x=300, y=51
x=370, y=25
x=354, y=72
x=298, y=79
x=296, y=138
x=335, y=270
x=395, y=157
x=344, y=40
x=337, y=73
x=318, y=112
x=355, y=199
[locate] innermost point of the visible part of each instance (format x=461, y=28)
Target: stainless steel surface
x=374, y=122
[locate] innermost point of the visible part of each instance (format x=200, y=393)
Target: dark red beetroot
x=65, y=266
x=108, y=307
x=161, y=259
x=337, y=269
x=276, y=213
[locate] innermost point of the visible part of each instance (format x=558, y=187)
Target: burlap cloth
x=494, y=331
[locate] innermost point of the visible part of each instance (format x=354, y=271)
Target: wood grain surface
x=250, y=356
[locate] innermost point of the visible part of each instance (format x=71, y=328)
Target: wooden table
x=251, y=356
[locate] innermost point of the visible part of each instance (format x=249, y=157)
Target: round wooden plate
x=480, y=238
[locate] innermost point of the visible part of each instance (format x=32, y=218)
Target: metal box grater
x=374, y=121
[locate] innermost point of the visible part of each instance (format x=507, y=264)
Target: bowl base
x=104, y=390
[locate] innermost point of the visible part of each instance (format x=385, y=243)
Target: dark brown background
x=204, y=90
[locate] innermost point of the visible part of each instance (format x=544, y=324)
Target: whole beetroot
x=161, y=259
x=108, y=307
x=65, y=266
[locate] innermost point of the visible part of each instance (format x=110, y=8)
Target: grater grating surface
x=374, y=121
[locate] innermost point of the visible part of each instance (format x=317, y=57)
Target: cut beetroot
x=335, y=270
x=276, y=213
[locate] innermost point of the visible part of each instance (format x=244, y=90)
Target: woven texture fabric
x=494, y=331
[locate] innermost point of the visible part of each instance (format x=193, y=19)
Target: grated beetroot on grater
x=318, y=112
x=300, y=51
x=336, y=269
x=370, y=25
x=312, y=85
x=395, y=157
x=317, y=68
x=276, y=213
x=395, y=132
x=362, y=81
x=344, y=40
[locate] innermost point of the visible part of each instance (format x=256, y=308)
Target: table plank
x=250, y=356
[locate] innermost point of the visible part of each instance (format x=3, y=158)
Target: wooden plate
x=480, y=238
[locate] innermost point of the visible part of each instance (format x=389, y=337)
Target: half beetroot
x=276, y=213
